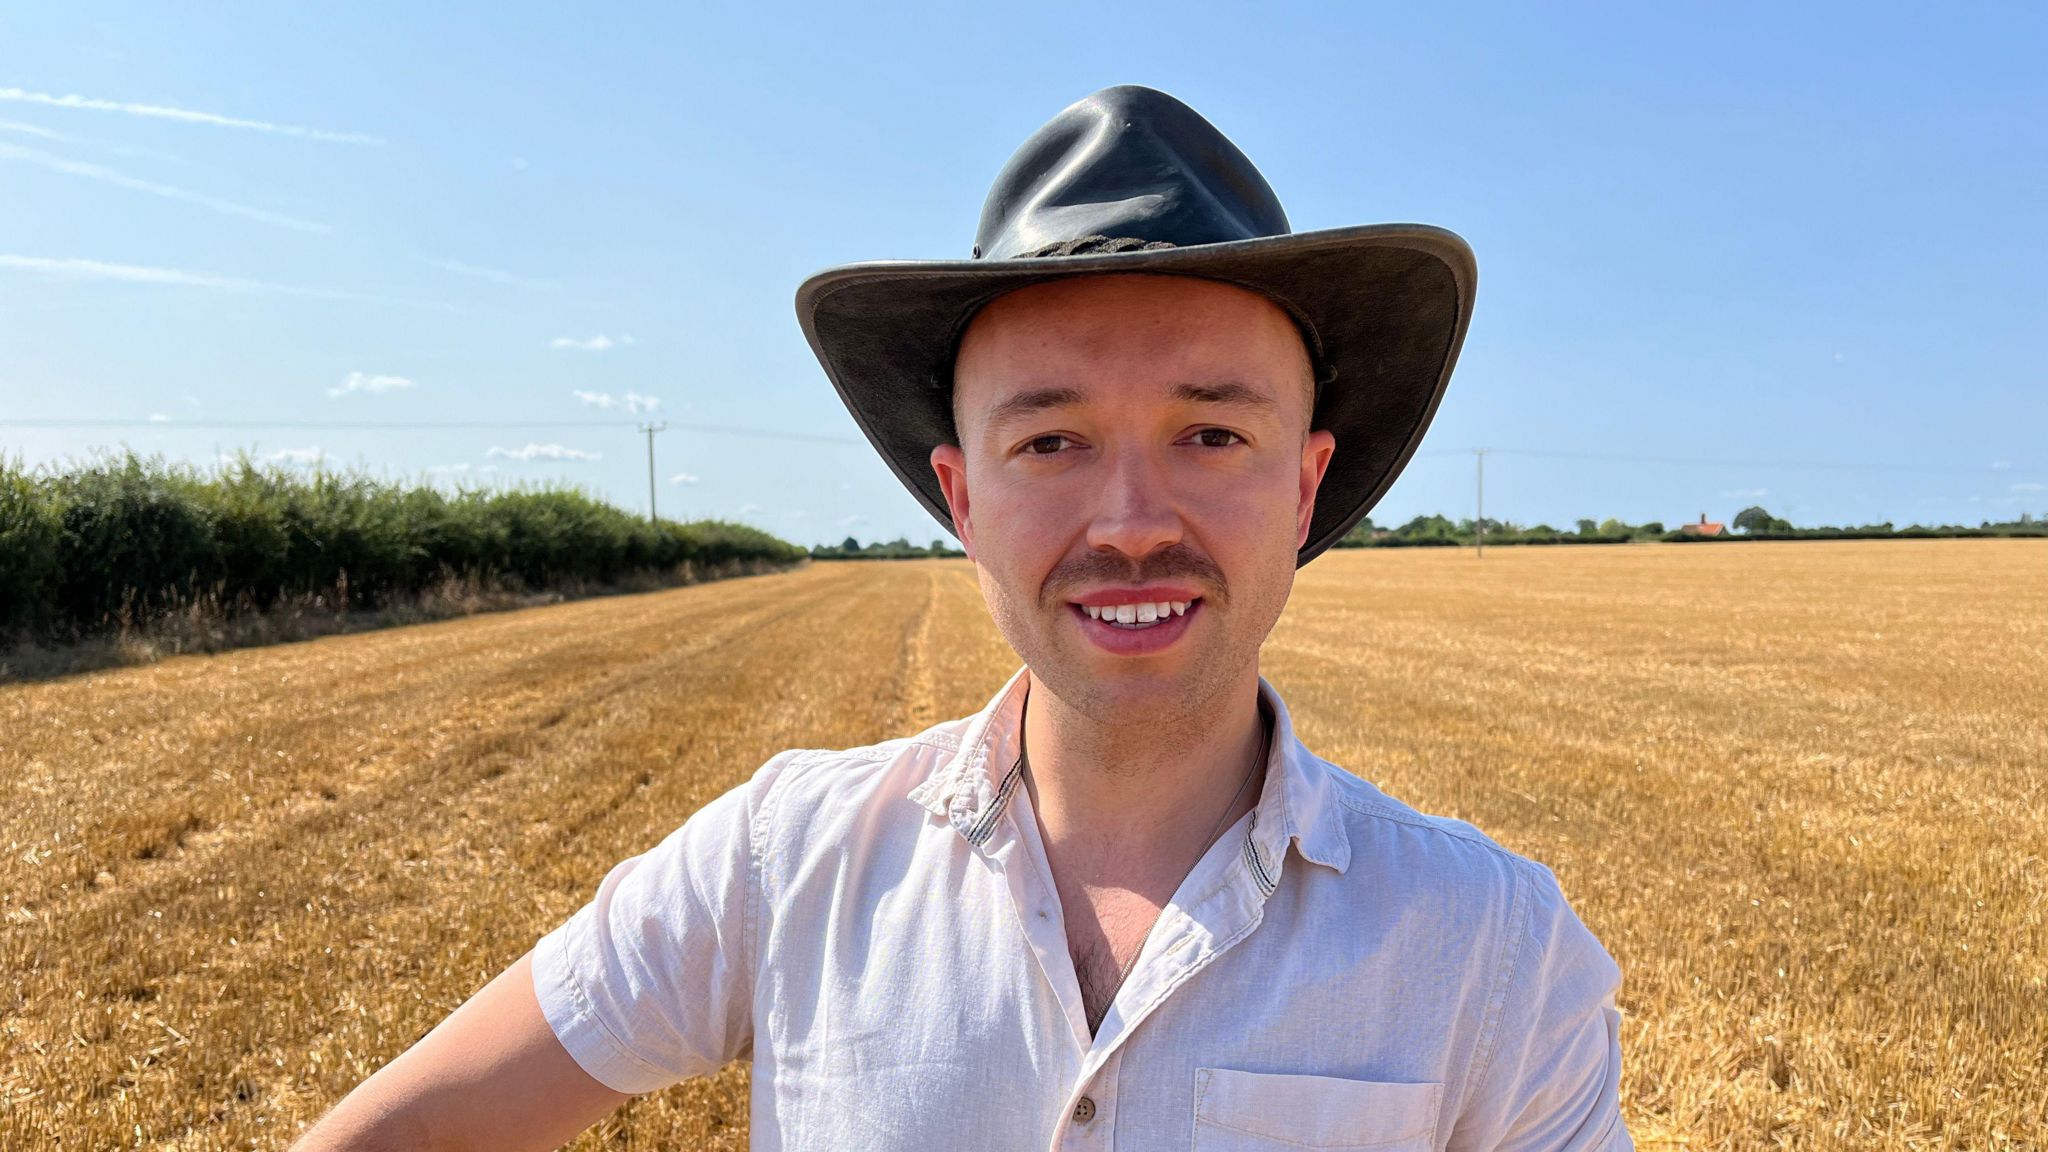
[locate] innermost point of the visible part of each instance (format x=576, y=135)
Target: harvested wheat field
x=1799, y=789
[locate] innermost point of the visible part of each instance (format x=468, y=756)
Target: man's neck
x=1131, y=801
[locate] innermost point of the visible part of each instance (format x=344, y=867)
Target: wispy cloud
x=543, y=452
x=850, y=521
x=2000, y=465
x=1746, y=493
x=2029, y=486
x=36, y=130
x=630, y=402
x=159, y=418
x=107, y=175
x=72, y=268
x=746, y=509
x=184, y=115
x=460, y=469
x=364, y=382
x=682, y=478
x=137, y=274
x=42, y=133
x=296, y=456
x=597, y=343
x=496, y=276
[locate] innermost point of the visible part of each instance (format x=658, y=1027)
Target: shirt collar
x=1297, y=804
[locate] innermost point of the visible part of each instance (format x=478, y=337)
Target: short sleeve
x=651, y=982
x=1552, y=1078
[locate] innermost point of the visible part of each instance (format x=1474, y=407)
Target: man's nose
x=1135, y=511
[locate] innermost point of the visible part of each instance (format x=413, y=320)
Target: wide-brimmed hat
x=1132, y=180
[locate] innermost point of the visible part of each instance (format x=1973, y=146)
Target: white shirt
x=878, y=929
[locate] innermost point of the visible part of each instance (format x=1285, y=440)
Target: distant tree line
x=120, y=540
x=898, y=549
x=1752, y=523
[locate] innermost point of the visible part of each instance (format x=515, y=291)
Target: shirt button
x=1084, y=1110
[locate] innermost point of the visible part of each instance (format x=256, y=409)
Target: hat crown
x=1130, y=165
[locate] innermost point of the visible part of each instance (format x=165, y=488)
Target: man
x=1123, y=906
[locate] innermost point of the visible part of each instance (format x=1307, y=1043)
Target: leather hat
x=1132, y=180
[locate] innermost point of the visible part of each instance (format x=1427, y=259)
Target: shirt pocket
x=1267, y=1112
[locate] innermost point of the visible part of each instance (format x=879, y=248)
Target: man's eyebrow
x=1228, y=392
x=1033, y=400
x=1040, y=399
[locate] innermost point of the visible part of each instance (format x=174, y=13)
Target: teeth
x=1150, y=613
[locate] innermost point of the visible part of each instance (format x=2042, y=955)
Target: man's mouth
x=1140, y=615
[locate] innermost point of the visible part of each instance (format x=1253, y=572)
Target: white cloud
x=364, y=382
x=543, y=452
x=2029, y=486
x=482, y=273
x=631, y=402
x=1746, y=493
x=185, y=115
x=747, y=509
x=850, y=521
x=295, y=456
x=448, y=469
x=682, y=478
x=597, y=343
x=159, y=418
x=108, y=176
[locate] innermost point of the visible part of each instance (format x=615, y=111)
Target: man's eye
x=1045, y=445
x=1208, y=432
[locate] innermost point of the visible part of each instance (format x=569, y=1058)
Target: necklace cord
x=1265, y=754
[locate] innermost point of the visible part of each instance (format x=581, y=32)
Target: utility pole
x=651, y=428
x=1479, y=525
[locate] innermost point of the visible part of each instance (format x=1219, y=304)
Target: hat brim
x=1389, y=302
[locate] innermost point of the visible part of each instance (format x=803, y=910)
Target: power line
x=820, y=438
x=1704, y=462
x=404, y=425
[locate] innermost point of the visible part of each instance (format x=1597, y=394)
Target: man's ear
x=951, y=465
x=1316, y=451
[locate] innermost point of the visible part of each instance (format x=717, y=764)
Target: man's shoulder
x=1445, y=860
x=826, y=780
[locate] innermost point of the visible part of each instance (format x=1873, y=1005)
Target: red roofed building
x=1705, y=527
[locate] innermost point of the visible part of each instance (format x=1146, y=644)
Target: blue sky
x=1729, y=254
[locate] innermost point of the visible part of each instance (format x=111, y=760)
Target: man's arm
x=490, y=1076
x=1552, y=1082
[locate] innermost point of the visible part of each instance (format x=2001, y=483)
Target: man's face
x=1130, y=440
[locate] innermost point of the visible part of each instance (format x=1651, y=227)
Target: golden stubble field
x=1800, y=790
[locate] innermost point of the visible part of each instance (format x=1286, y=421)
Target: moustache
x=1176, y=563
